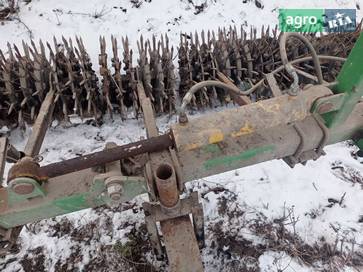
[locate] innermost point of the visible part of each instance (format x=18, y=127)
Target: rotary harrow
x=293, y=99
x=65, y=67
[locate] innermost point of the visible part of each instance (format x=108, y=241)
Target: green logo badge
x=317, y=20
x=301, y=20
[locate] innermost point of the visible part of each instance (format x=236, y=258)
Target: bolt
x=114, y=191
x=23, y=188
x=183, y=119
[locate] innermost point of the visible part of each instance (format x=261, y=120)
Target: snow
x=269, y=188
x=278, y=261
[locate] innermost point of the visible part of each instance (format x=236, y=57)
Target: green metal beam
x=350, y=82
x=30, y=209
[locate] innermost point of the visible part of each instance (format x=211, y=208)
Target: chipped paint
x=246, y=129
x=216, y=137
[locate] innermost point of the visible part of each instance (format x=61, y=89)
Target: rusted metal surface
x=263, y=144
x=167, y=185
x=148, y=113
x=153, y=144
x=67, y=70
x=187, y=206
x=246, y=59
x=23, y=189
x=213, y=144
x=181, y=245
x=25, y=167
x=3, y=151
x=245, y=120
x=154, y=213
x=160, y=162
x=285, y=127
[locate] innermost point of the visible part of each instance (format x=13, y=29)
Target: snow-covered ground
x=266, y=217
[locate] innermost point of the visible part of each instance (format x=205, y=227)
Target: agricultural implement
x=290, y=106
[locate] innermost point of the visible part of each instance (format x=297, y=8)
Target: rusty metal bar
x=161, y=162
x=35, y=140
x=147, y=110
x=150, y=145
x=181, y=245
x=273, y=84
x=166, y=183
x=3, y=149
x=238, y=99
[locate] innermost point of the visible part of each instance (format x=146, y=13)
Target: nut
x=114, y=187
x=114, y=191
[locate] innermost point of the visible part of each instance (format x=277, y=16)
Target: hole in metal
x=164, y=171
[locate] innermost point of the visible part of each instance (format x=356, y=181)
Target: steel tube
x=153, y=144
x=166, y=183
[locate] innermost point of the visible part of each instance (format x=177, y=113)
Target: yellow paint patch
x=246, y=129
x=216, y=137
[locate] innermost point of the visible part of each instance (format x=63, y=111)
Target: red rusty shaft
x=166, y=183
x=153, y=144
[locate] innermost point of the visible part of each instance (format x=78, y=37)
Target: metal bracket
x=301, y=155
x=23, y=188
x=120, y=188
x=155, y=213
